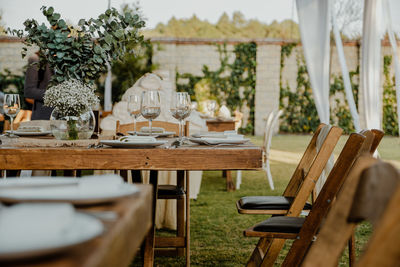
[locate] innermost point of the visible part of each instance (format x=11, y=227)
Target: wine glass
x=180, y=109
x=134, y=109
x=150, y=106
x=11, y=108
x=211, y=106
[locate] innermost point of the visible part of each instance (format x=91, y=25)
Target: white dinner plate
x=163, y=134
x=30, y=133
x=136, y=144
x=41, y=189
x=218, y=141
x=82, y=228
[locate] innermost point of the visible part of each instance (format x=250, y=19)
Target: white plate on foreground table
x=30, y=133
x=163, y=134
x=117, y=143
x=218, y=141
x=45, y=189
x=82, y=228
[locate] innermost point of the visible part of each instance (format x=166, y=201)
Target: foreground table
x=119, y=243
x=188, y=157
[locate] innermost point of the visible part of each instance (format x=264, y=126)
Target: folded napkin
x=45, y=124
x=219, y=135
x=38, y=129
x=137, y=139
x=34, y=225
x=153, y=130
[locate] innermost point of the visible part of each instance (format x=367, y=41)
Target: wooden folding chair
x=180, y=192
x=274, y=231
x=272, y=120
x=371, y=192
x=300, y=185
x=168, y=126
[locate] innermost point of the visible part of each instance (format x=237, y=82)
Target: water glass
x=134, y=109
x=150, y=106
x=180, y=109
x=11, y=108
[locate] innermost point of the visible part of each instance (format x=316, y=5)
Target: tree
x=349, y=14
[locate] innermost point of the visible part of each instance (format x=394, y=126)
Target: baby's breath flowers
x=71, y=97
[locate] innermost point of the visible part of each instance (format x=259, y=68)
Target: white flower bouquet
x=71, y=97
x=72, y=101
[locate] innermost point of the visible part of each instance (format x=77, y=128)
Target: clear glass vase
x=72, y=127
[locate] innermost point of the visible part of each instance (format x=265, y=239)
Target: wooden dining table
x=186, y=157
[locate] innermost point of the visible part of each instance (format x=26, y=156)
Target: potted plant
x=81, y=53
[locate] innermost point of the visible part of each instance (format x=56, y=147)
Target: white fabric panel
x=370, y=75
x=394, y=8
x=346, y=77
x=389, y=23
x=314, y=29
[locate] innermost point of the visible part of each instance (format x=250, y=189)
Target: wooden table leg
x=229, y=182
x=148, y=259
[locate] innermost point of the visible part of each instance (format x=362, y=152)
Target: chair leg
x=259, y=252
x=238, y=179
x=180, y=211
x=273, y=252
x=352, y=250
x=148, y=259
x=187, y=220
x=124, y=175
x=269, y=176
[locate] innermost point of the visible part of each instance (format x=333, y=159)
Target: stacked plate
x=218, y=138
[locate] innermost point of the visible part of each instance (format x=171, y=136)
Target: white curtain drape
x=345, y=74
x=314, y=29
x=389, y=9
x=370, y=74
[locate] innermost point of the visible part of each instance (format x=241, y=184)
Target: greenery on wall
x=232, y=84
x=390, y=120
x=300, y=114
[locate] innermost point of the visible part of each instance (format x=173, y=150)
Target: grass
x=216, y=227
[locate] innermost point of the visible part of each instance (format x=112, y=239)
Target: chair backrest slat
x=168, y=126
x=383, y=248
x=303, y=166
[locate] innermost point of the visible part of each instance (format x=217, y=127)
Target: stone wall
x=190, y=55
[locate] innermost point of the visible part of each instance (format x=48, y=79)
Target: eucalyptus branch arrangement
x=81, y=52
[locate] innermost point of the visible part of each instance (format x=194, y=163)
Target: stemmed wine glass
x=211, y=106
x=150, y=106
x=134, y=109
x=11, y=108
x=180, y=109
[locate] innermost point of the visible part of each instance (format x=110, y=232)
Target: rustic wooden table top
x=187, y=157
x=119, y=243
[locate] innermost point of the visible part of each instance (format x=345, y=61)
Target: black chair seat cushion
x=170, y=190
x=280, y=224
x=268, y=203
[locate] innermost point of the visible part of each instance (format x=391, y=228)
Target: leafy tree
x=236, y=27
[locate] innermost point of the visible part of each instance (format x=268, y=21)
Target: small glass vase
x=72, y=127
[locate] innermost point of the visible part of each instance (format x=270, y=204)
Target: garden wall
x=190, y=55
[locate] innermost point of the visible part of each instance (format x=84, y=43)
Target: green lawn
x=216, y=227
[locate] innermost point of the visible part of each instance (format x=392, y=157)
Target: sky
x=15, y=12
